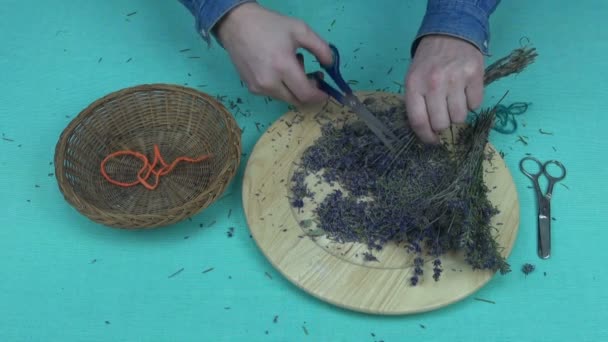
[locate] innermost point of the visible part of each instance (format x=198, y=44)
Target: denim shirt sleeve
x=207, y=13
x=465, y=19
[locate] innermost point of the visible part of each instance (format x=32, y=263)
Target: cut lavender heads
x=528, y=268
x=429, y=198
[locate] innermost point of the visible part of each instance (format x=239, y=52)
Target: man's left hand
x=444, y=82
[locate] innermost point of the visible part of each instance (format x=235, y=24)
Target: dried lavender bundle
x=414, y=198
x=515, y=62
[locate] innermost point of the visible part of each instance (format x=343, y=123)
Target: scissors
x=350, y=100
x=544, y=201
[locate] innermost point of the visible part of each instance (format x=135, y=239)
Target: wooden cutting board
x=337, y=273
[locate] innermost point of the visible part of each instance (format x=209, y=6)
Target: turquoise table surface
x=64, y=278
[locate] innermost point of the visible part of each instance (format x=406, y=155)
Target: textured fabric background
x=64, y=278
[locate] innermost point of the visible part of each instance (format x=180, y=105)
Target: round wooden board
x=337, y=273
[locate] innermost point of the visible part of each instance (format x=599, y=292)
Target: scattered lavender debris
x=485, y=300
x=528, y=268
x=367, y=256
x=427, y=197
x=176, y=273
x=522, y=139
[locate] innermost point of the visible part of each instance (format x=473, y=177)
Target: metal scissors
x=544, y=201
x=350, y=100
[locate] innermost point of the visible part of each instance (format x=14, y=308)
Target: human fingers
x=457, y=105
x=437, y=110
x=474, y=93
x=303, y=88
x=305, y=37
x=300, y=58
x=418, y=117
x=269, y=83
x=283, y=93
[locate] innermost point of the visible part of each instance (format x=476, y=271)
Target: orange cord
x=147, y=168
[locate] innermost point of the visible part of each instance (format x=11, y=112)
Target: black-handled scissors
x=544, y=201
x=350, y=100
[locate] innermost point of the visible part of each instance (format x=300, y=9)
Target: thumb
x=308, y=39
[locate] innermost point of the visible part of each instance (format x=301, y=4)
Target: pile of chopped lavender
x=429, y=198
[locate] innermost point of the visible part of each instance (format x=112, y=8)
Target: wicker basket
x=181, y=121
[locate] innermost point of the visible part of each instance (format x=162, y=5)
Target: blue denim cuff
x=468, y=20
x=207, y=13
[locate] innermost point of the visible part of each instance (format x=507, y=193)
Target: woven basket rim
x=75, y=200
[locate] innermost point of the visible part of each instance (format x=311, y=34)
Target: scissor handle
x=328, y=89
x=542, y=169
x=333, y=70
x=550, y=177
x=531, y=175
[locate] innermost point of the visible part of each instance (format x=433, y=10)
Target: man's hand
x=443, y=83
x=262, y=45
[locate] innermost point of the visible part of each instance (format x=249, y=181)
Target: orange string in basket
x=147, y=169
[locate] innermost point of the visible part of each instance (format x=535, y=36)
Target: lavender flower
x=430, y=198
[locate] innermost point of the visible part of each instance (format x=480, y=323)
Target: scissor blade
x=377, y=127
x=544, y=228
x=544, y=237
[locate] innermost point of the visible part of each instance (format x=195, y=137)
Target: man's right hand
x=262, y=45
